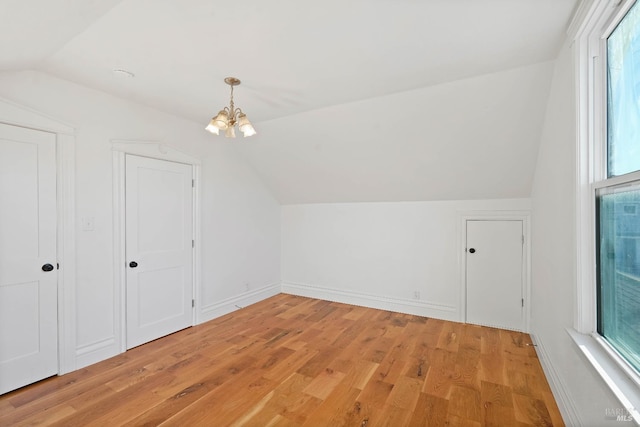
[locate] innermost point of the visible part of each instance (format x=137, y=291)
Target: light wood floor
x=293, y=361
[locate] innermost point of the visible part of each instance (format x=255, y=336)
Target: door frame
x=13, y=114
x=160, y=151
x=525, y=217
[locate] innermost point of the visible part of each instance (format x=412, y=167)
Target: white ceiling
x=293, y=57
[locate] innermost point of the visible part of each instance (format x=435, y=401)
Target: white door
x=159, y=253
x=28, y=293
x=494, y=274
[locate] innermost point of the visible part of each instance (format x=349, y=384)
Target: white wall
x=583, y=394
x=241, y=233
x=379, y=254
x=240, y=219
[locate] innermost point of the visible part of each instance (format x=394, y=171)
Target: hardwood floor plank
x=531, y=411
x=416, y=368
x=356, y=313
x=430, y=411
x=404, y=394
x=338, y=409
x=465, y=403
x=490, y=342
x=192, y=388
x=375, y=393
x=360, y=374
x=392, y=365
x=228, y=401
x=167, y=408
x=497, y=416
x=378, y=349
x=287, y=403
x=105, y=409
x=552, y=408
x=295, y=361
x=391, y=416
x=440, y=374
x=457, y=421
x=6, y=407
x=48, y=417
x=280, y=421
x=466, y=376
x=449, y=338
x=324, y=383
x=43, y=389
x=319, y=362
x=497, y=405
x=492, y=368
x=350, y=334
x=498, y=394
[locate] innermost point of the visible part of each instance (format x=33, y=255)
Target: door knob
x=133, y=264
x=472, y=251
x=47, y=267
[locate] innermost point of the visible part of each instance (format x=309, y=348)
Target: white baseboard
x=408, y=306
x=95, y=352
x=566, y=405
x=228, y=305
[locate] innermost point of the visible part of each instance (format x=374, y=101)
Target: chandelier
x=230, y=116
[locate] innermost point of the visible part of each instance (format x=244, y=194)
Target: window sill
x=619, y=381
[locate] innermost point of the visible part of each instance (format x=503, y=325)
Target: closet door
x=495, y=274
x=159, y=252
x=28, y=265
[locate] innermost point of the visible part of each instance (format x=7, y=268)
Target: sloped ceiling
x=353, y=100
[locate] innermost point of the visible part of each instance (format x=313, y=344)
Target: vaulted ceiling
x=358, y=100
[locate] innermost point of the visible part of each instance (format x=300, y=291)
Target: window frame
x=591, y=28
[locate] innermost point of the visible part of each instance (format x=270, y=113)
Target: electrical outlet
x=416, y=294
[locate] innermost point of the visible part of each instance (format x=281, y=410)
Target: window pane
x=618, y=212
x=623, y=96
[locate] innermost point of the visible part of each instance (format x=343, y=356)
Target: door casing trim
x=160, y=151
x=18, y=115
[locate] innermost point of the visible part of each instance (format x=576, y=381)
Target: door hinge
x=193, y=303
x=193, y=183
x=193, y=243
x=523, y=239
x=523, y=302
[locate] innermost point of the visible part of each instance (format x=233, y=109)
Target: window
x=623, y=96
x=618, y=196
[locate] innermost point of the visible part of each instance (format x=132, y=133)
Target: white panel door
x=494, y=274
x=159, y=253
x=28, y=293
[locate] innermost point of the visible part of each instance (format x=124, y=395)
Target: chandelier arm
x=233, y=113
x=230, y=116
